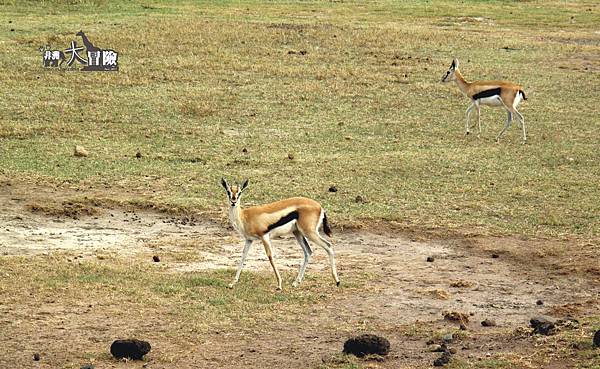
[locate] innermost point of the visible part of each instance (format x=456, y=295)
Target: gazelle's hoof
x=278, y=288
x=295, y=284
x=337, y=283
x=466, y=134
x=230, y=285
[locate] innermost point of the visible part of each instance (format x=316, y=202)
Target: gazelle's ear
x=454, y=63
x=244, y=185
x=224, y=184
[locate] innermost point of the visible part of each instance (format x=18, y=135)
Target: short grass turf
x=298, y=97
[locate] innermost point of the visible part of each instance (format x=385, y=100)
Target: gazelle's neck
x=235, y=217
x=463, y=85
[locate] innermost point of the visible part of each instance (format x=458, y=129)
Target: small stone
x=80, y=151
x=245, y=150
x=452, y=350
x=488, y=323
x=156, y=258
x=495, y=256
x=36, y=357
x=448, y=337
x=360, y=199
x=138, y=154
x=463, y=327
x=333, y=189
x=290, y=156
x=442, y=360
x=542, y=325
x=430, y=259
x=539, y=302
x=436, y=348
x=596, y=341
x=130, y=348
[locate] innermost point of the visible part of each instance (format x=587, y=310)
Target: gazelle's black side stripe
x=487, y=93
x=284, y=220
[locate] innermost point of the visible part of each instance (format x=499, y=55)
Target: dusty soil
x=407, y=297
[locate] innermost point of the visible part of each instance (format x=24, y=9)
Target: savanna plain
x=339, y=101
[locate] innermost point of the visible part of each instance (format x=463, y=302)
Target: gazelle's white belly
x=283, y=230
x=491, y=101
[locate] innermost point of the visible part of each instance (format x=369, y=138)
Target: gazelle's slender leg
x=469, y=109
x=522, y=120
x=241, y=265
x=267, y=244
x=506, y=125
x=478, y=116
x=316, y=238
x=307, y=252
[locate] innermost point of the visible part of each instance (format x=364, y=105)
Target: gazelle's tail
x=523, y=94
x=326, y=228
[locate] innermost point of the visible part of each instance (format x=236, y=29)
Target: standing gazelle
x=299, y=216
x=493, y=93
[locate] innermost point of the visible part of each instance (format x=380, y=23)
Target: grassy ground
x=363, y=109
x=297, y=97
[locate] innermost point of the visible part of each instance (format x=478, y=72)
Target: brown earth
x=405, y=301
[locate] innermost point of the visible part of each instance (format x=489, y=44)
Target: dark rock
x=333, y=189
x=36, y=356
x=488, y=323
x=539, y=302
x=245, y=150
x=442, y=360
x=463, y=327
x=495, y=256
x=138, y=154
x=542, y=325
x=156, y=258
x=430, y=259
x=131, y=348
x=367, y=344
x=596, y=340
x=290, y=156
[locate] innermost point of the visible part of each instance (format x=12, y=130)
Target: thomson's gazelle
x=299, y=216
x=493, y=93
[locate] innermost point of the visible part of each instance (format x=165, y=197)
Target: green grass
x=363, y=109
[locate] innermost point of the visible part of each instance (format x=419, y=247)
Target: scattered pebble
x=245, y=150
x=539, y=302
x=367, y=344
x=495, y=256
x=448, y=337
x=463, y=327
x=442, y=360
x=156, y=258
x=430, y=259
x=542, y=326
x=360, y=199
x=36, y=356
x=488, y=323
x=138, y=154
x=290, y=156
x=333, y=189
x=80, y=151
